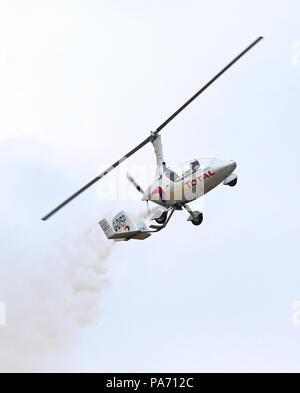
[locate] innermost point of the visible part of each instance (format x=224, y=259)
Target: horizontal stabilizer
x=138, y=235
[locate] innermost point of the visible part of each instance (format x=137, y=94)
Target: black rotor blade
x=88, y=185
x=206, y=86
x=147, y=140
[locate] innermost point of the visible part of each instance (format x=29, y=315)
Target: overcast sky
x=83, y=82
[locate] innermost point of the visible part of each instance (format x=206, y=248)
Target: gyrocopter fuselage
x=171, y=192
x=172, y=189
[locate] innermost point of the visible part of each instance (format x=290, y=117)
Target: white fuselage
x=167, y=193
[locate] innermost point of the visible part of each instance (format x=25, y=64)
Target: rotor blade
x=147, y=140
x=137, y=186
x=88, y=185
x=206, y=86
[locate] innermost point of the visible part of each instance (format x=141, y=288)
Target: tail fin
x=107, y=229
x=121, y=223
x=123, y=228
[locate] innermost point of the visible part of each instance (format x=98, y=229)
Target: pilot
x=194, y=166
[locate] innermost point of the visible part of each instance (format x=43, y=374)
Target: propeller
x=150, y=137
x=138, y=188
x=136, y=185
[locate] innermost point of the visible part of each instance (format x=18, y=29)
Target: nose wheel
x=195, y=217
x=233, y=183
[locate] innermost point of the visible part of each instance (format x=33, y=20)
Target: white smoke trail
x=87, y=267
x=47, y=308
x=50, y=292
x=49, y=305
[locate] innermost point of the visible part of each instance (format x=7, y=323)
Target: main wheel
x=162, y=219
x=198, y=220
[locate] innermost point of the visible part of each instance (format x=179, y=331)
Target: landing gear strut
x=158, y=228
x=195, y=217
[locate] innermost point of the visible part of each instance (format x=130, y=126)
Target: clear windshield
x=185, y=169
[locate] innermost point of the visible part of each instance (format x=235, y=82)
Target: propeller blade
x=147, y=140
x=139, y=188
x=136, y=185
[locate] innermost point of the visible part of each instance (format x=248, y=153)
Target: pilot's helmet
x=195, y=165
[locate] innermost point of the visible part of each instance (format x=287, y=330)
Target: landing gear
x=162, y=219
x=157, y=228
x=198, y=220
x=195, y=217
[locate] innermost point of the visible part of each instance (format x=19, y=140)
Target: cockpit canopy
x=181, y=171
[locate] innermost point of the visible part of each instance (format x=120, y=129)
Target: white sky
x=81, y=83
